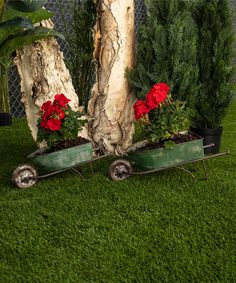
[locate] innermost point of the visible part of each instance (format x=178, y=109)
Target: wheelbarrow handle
x=209, y=145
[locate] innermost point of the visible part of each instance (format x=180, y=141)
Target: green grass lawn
x=162, y=227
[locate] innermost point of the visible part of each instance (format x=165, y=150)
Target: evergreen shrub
x=215, y=52
x=167, y=50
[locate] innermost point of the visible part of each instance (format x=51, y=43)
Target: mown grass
x=162, y=227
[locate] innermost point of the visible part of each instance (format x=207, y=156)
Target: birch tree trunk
x=43, y=74
x=111, y=125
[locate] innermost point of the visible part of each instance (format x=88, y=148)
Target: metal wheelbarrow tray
x=25, y=175
x=154, y=160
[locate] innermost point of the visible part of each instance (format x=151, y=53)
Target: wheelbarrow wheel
x=120, y=169
x=23, y=176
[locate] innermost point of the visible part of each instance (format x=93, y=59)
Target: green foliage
x=23, y=38
x=79, y=36
x=167, y=50
x=35, y=17
x=15, y=24
x=215, y=49
x=169, y=144
x=139, y=132
x=166, y=121
x=26, y=5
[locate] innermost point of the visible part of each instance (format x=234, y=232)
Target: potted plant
x=17, y=19
x=215, y=48
x=58, y=127
x=162, y=120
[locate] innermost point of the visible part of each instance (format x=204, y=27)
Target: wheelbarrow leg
x=91, y=167
x=181, y=167
x=79, y=172
x=205, y=169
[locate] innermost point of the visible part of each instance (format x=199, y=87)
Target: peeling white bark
x=43, y=74
x=111, y=126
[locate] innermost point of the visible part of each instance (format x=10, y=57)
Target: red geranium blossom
x=140, y=109
x=59, y=112
x=58, y=122
x=61, y=100
x=155, y=97
x=161, y=87
x=52, y=114
x=46, y=105
x=53, y=124
x=47, y=108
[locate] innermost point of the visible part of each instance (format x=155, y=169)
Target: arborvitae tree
x=215, y=49
x=167, y=50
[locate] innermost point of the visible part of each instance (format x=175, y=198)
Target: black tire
x=21, y=177
x=120, y=169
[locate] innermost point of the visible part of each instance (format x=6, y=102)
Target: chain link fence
x=17, y=108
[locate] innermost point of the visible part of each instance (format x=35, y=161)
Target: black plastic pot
x=209, y=136
x=5, y=119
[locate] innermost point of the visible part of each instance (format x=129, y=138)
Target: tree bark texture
x=111, y=126
x=43, y=74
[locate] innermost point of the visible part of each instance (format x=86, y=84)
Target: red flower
x=53, y=124
x=157, y=95
x=59, y=112
x=45, y=106
x=52, y=113
x=61, y=99
x=151, y=102
x=48, y=109
x=161, y=87
x=140, y=109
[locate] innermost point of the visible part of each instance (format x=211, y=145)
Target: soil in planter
x=67, y=144
x=70, y=143
x=178, y=139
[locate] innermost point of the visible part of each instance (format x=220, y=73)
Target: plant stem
x=170, y=102
x=4, y=90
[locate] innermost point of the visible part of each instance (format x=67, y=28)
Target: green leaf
x=169, y=144
x=24, y=38
x=26, y=5
x=35, y=17
x=13, y=26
